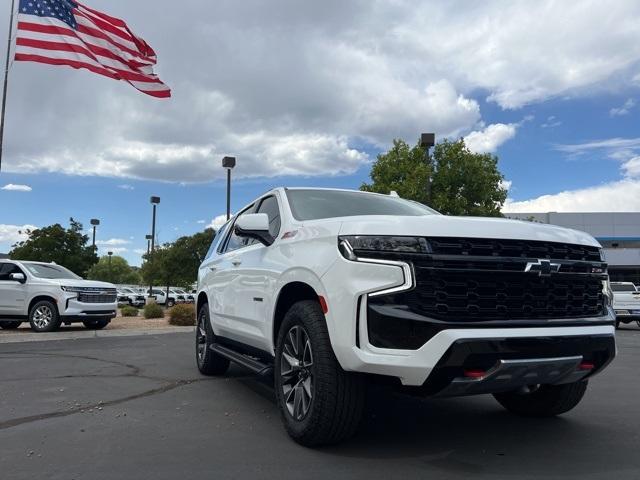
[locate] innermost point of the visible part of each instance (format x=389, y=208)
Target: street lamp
x=228, y=163
x=148, y=237
x=110, y=276
x=95, y=222
x=154, y=201
x=428, y=140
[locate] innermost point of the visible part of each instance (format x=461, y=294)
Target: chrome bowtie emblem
x=542, y=267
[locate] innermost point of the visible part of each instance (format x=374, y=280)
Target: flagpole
x=6, y=79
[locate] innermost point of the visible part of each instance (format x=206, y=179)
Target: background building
x=619, y=234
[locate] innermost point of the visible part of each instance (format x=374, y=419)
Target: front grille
x=97, y=295
x=513, y=248
x=471, y=280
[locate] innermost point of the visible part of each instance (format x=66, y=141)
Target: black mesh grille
x=513, y=248
x=467, y=280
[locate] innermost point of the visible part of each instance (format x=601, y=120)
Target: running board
x=256, y=366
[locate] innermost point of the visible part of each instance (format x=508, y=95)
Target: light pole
x=110, y=276
x=228, y=163
x=428, y=140
x=148, y=237
x=95, y=222
x=154, y=201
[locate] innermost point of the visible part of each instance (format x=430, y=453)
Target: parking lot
x=136, y=407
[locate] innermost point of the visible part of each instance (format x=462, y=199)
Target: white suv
x=330, y=289
x=48, y=295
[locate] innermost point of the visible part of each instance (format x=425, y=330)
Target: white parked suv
x=47, y=295
x=626, y=302
x=330, y=289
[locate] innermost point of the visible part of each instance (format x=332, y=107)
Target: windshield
x=128, y=290
x=50, y=271
x=625, y=287
x=316, y=204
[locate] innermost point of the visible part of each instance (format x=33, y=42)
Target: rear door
x=12, y=293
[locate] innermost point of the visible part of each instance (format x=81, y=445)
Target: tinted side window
x=7, y=269
x=234, y=242
x=269, y=206
x=217, y=240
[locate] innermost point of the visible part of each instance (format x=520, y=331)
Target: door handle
x=236, y=263
x=213, y=269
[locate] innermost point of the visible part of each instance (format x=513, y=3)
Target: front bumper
x=75, y=310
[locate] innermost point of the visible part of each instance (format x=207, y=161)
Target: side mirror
x=18, y=277
x=254, y=225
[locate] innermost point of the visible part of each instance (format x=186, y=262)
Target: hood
x=470, y=227
x=75, y=282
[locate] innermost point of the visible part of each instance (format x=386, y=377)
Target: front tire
x=96, y=324
x=43, y=317
x=319, y=402
x=170, y=303
x=209, y=363
x=546, y=401
x=10, y=325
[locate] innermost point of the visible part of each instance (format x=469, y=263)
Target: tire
x=96, y=324
x=209, y=363
x=638, y=322
x=10, y=325
x=319, y=402
x=44, y=317
x=546, y=401
x=170, y=303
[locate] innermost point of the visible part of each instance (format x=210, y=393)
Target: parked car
x=127, y=296
x=47, y=295
x=160, y=296
x=176, y=293
x=188, y=297
x=626, y=302
x=330, y=289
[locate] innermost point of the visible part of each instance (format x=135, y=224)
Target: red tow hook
x=586, y=366
x=474, y=373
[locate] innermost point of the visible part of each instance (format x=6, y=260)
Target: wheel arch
x=40, y=298
x=201, y=300
x=289, y=294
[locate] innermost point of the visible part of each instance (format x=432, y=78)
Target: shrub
x=183, y=315
x=153, y=310
x=129, y=311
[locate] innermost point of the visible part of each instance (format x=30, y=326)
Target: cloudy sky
x=307, y=93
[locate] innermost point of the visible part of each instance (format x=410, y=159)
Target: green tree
x=454, y=180
x=177, y=263
x=64, y=246
x=116, y=270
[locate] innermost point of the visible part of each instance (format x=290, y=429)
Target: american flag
x=65, y=32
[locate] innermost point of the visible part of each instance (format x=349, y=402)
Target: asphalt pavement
x=136, y=407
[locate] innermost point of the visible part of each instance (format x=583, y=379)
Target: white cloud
x=506, y=184
x=201, y=221
x=140, y=251
x=614, y=144
x=489, y=139
x=218, y=221
x=114, y=250
x=16, y=188
x=623, y=109
x=14, y=233
x=112, y=241
x=631, y=167
x=551, y=122
x=621, y=196
x=309, y=84
x=126, y=186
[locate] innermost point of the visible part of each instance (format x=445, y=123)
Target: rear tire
x=10, y=325
x=319, y=402
x=96, y=324
x=546, y=401
x=170, y=303
x=209, y=363
x=44, y=317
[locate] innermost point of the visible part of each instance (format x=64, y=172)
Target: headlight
x=374, y=243
x=72, y=289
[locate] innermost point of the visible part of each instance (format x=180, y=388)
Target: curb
x=78, y=335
